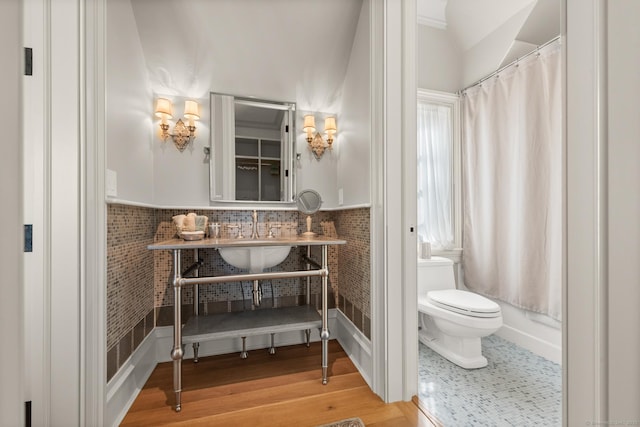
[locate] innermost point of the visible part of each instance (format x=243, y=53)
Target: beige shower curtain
x=512, y=184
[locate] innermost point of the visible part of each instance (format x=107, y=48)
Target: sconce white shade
x=317, y=143
x=330, y=125
x=191, y=110
x=182, y=134
x=164, y=109
x=309, y=123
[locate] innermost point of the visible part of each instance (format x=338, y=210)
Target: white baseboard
x=355, y=344
x=543, y=319
x=532, y=343
x=125, y=385
x=535, y=332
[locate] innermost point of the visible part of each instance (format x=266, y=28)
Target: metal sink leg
x=243, y=353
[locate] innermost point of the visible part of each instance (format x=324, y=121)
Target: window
x=439, y=198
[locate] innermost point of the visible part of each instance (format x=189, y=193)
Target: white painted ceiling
x=289, y=50
x=543, y=23
x=297, y=50
x=471, y=21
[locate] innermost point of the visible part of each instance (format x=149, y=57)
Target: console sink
x=255, y=258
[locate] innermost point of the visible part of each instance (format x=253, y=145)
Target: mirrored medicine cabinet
x=252, y=150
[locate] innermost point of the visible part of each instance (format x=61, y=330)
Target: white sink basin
x=255, y=258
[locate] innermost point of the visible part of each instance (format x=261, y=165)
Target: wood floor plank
x=423, y=409
x=416, y=418
x=224, y=369
x=309, y=411
x=214, y=403
x=393, y=422
x=264, y=390
x=155, y=398
x=157, y=395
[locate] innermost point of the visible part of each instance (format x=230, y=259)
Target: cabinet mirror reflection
x=252, y=149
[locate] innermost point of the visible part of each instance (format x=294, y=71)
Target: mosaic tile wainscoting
x=350, y=264
x=139, y=290
x=129, y=281
x=234, y=296
x=354, y=275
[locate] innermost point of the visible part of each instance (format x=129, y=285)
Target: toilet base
x=464, y=352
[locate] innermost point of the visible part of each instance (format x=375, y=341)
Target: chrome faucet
x=254, y=233
x=236, y=227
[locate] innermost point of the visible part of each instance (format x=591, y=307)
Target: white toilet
x=452, y=321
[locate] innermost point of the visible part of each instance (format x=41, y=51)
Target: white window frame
x=451, y=100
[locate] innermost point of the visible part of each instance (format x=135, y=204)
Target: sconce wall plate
x=317, y=144
x=182, y=134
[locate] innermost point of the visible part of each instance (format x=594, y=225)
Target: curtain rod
x=501, y=69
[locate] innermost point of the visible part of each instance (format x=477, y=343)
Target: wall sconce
x=182, y=134
x=317, y=144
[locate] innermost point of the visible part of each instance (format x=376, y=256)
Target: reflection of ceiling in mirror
x=296, y=50
x=258, y=118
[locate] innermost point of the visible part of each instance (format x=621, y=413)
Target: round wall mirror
x=308, y=202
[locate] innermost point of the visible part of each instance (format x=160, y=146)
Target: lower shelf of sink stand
x=248, y=323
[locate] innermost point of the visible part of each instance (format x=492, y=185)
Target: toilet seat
x=463, y=302
x=472, y=322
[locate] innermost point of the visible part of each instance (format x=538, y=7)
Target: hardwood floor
x=268, y=390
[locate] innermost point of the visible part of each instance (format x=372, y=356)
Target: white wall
x=130, y=146
x=181, y=178
x=280, y=50
x=320, y=175
x=353, y=143
x=152, y=171
x=11, y=366
x=624, y=209
x=439, y=60
x=148, y=169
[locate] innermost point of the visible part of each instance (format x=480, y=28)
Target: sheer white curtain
x=435, y=174
x=512, y=178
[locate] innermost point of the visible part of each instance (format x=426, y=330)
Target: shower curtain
x=512, y=184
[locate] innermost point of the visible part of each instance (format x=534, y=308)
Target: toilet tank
x=434, y=274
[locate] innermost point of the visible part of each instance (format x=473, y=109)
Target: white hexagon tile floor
x=516, y=388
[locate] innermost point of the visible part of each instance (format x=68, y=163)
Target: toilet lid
x=464, y=302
